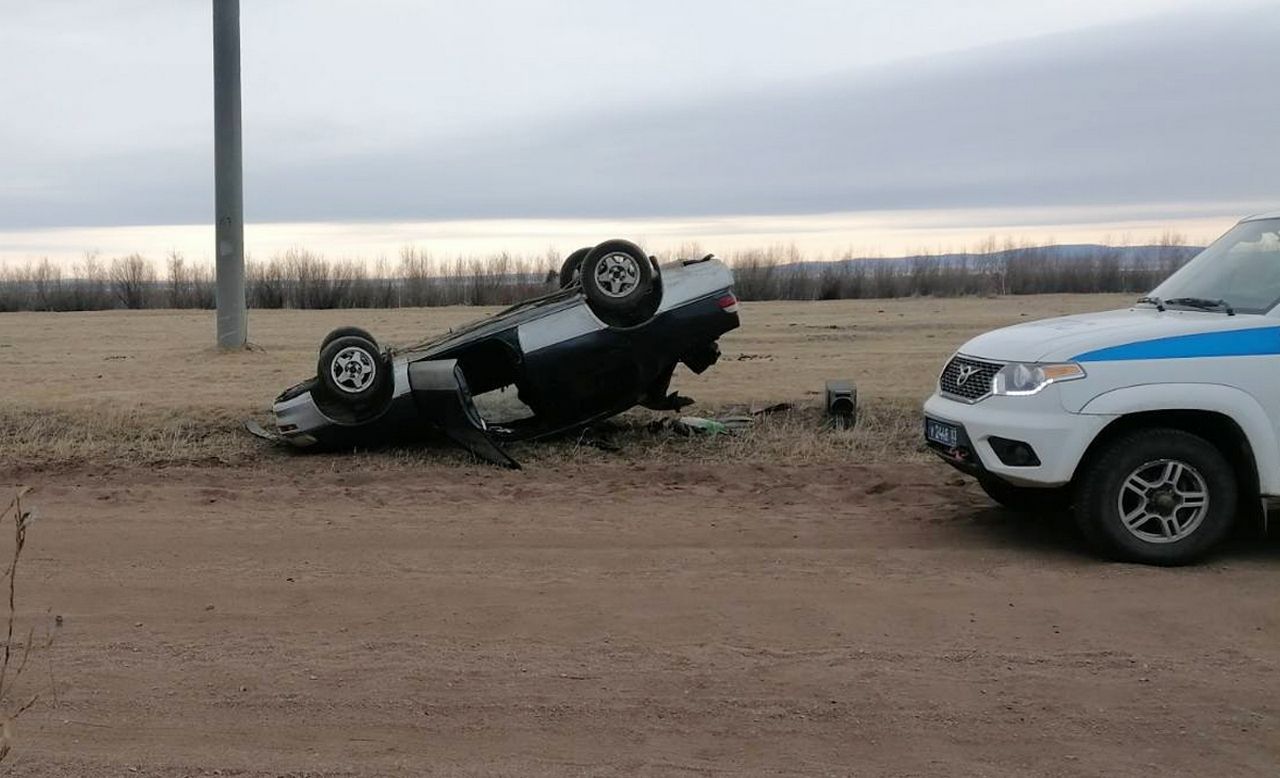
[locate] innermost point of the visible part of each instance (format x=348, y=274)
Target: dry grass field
x=791, y=601
x=149, y=385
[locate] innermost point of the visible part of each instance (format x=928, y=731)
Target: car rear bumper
x=299, y=420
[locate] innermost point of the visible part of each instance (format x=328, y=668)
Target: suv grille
x=968, y=379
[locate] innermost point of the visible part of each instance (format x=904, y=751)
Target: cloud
x=1175, y=110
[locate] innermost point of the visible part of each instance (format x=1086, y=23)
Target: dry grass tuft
x=103, y=435
x=887, y=431
x=14, y=658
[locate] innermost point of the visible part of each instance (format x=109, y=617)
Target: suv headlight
x=1022, y=378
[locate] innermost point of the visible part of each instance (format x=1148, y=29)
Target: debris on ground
x=775, y=408
x=594, y=438
x=842, y=404
x=697, y=425
x=736, y=422
x=254, y=428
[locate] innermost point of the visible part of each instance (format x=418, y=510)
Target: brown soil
x=321, y=616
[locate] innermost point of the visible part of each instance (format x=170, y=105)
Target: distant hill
x=1130, y=257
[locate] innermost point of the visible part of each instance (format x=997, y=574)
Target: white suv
x=1157, y=422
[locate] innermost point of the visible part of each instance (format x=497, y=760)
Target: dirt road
x=621, y=619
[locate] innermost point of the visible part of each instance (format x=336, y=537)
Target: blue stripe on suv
x=1232, y=343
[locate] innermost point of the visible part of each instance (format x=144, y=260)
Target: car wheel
x=617, y=277
x=571, y=270
x=343, y=332
x=1157, y=496
x=352, y=368
x=1024, y=499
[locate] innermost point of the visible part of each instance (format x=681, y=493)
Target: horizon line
x=841, y=235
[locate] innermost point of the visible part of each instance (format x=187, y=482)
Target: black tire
x=572, y=267
x=617, y=277
x=1166, y=530
x=352, y=369
x=343, y=332
x=1023, y=499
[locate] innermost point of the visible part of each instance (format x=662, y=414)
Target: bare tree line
x=303, y=279
x=992, y=269
x=94, y=285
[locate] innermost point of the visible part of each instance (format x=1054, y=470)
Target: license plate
x=942, y=433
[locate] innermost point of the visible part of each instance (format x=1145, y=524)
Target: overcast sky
x=403, y=112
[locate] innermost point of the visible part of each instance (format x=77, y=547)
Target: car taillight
x=728, y=303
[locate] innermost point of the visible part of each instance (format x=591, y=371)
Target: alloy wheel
x=1163, y=501
x=353, y=369
x=617, y=275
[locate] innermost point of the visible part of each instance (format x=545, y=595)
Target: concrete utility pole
x=233, y=323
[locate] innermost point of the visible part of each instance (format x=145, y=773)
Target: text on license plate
x=942, y=433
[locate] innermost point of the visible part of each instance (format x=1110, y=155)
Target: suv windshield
x=1242, y=269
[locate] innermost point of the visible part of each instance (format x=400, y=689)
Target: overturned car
x=607, y=340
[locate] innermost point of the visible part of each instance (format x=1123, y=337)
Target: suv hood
x=1068, y=337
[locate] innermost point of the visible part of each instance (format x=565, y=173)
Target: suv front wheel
x=1157, y=496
